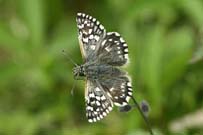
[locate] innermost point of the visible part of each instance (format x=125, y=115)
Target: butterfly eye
x=81, y=71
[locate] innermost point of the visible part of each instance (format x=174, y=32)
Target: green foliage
x=165, y=40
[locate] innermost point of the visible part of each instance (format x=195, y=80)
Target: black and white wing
x=113, y=50
x=95, y=43
x=91, y=33
x=101, y=95
x=98, y=104
x=118, y=88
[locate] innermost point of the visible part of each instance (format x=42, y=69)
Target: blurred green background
x=165, y=40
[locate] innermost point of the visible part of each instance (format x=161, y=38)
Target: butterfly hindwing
x=119, y=89
x=98, y=104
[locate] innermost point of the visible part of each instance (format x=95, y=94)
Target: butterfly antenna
x=143, y=115
x=67, y=56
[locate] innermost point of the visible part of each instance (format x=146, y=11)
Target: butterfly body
x=93, y=71
x=103, y=53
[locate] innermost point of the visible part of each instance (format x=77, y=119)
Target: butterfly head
x=78, y=71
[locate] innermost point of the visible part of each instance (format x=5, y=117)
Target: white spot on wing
x=85, y=22
x=125, y=45
x=90, y=120
x=117, y=34
x=129, y=84
x=90, y=31
x=93, y=47
x=126, y=50
x=81, y=26
x=97, y=89
x=103, y=97
x=98, y=98
x=103, y=42
x=127, y=98
x=130, y=93
x=85, y=40
x=96, y=38
x=98, y=103
x=91, y=95
x=97, y=22
x=109, y=33
x=101, y=27
x=130, y=89
x=89, y=108
x=108, y=49
x=112, y=89
x=124, y=103
x=121, y=39
x=117, y=104
x=126, y=56
x=101, y=116
x=110, y=39
x=98, y=118
x=109, y=94
x=91, y=36
x=110, y=108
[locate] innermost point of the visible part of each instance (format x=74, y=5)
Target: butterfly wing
x=98, y=104
x=118, y=88
x=113, y=50
x=109, y=89
x=95, y=43
x=91, y=33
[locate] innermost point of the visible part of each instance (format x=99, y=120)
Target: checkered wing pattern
x=91, y=34
x=113, y=50
x=95, y=43
x=98, y=104
x=119, y=89
x=101, y=96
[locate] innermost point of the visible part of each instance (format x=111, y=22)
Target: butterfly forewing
x=91, y=33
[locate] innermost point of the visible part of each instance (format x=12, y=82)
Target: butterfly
x=103, y=54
